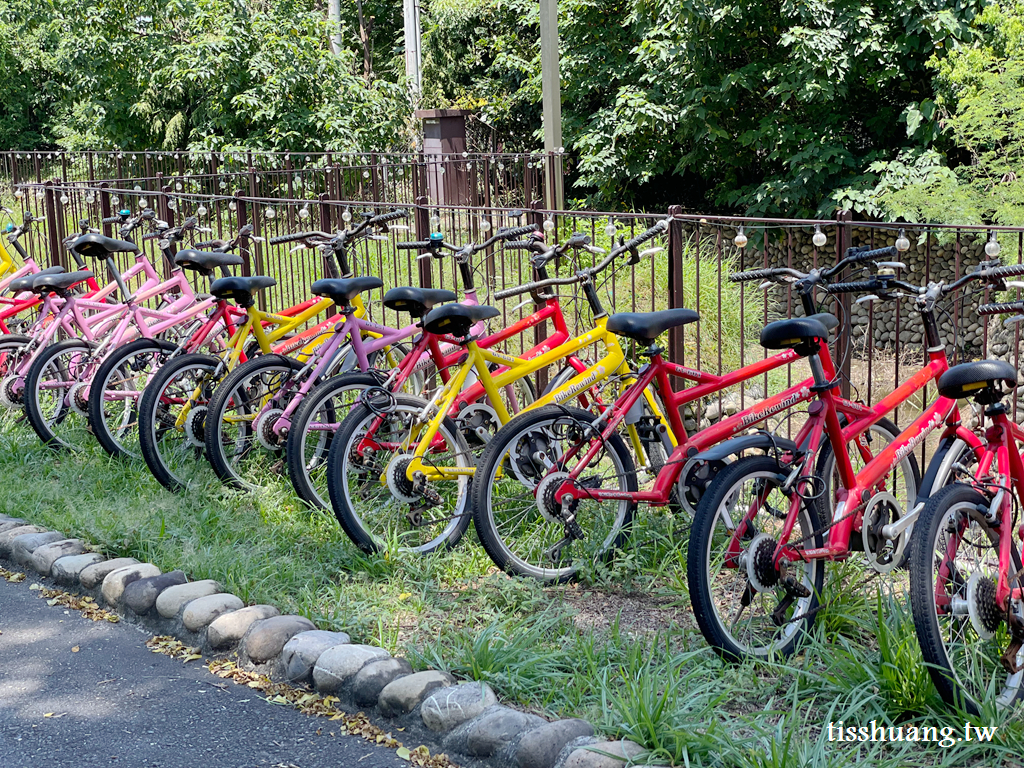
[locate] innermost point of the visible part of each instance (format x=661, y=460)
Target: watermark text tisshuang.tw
x=946, y=736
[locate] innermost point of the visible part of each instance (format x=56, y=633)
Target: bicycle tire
x=98, y=389
x=11, y=350
x=34, y=408
x=216, y=451
x=299, y=469
x=933, y=524
x=153, y=427
x=705, y=605
x=495, y=461
x=339, y=458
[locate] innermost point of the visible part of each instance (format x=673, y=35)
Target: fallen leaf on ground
x=75, y=649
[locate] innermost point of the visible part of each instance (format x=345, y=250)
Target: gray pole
x=413, y=61
x=552, y=102
x=334, y=17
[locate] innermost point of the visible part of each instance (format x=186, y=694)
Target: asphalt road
x=116, y=703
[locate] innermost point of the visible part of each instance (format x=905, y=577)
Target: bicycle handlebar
x=1001, y=308
x=413, y=245
x=112, y=220
x=298, y=236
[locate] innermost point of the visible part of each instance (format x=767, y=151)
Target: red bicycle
x=758, y=547
x=967, y=593
x=557, y=487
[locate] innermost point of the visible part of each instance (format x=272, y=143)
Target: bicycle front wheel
x=521, y=524
x=370, y=492
x=12, y=350
x=964, y=634
x=745, y=607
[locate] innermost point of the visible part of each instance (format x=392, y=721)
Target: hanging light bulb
x=485, y=225
x=40, y=193
x=64, y=199
x=440, y=170
x=232, y=206
x=548, y=225
x=114, y=199
x=223, y=184
x=740, y=241
x=501, y=166
x=435, y=222
x=178, y=186
x=366, y=174
x=610, y=230
x=90, y=199
x=304, y=212
x=201, y=210
x=346, y=216
x=902, y=242
x=143, y=203
x=19, y=193
x=992, y=246
x=469, y=167
x=819, y=238
x=270, y=212
x=172, y=205
x=138, y=188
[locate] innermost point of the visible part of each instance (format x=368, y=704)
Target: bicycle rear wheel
x=370, y=493
x=115, y=392
x=54, y=389
x=520, y=522
x=241, y=444
x=743, y=606
x=172, y=414
x=12, y=350
x=963, y=632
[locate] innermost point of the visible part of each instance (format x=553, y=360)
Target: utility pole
x=413, y=62
x=334, y=17
x=552, y=102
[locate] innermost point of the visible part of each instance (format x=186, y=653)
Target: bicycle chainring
x=78, y=397
x=478, y=422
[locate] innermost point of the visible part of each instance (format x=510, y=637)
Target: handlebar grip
x=515, y=232
x=643, y=237
x=1010, y=270
x=414, y=245
x=859, y=286
x=510, y=292
x=874, y=254
x=386, y=217
x=513, y=244
x=1002, y=308
x=112, y=220
x=293, y=237
x=754, y=274
x=209, y=244
x=152, y=235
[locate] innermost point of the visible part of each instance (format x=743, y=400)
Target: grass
x=620, y=648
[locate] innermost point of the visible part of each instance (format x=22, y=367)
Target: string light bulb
x=304, y=212
x=270, y=212
x=19, y=193
x=818, y=238
x=201, y=210
x=548, y=225
x=610, y=230
x=902, y=242
x=435, y=222
x=485, y=225
x=346, y=216
x=232, y=206
x=992, y=246
x=64, y=199
x=740, y=241
x=143, y=203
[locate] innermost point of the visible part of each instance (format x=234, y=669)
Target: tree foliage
x=192, y=74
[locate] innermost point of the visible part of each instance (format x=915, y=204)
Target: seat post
x=817, y=370
x=116, y=274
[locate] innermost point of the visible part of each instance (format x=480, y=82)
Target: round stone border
x=462, y=718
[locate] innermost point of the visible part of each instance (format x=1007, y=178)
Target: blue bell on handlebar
x=436, y=238
x=125, y=212
x=9, y=228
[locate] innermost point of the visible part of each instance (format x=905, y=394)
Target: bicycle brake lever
x=891, y=264
x=1013, y=320
x=866, y=299
x=1014, y=284
x=299, y=247
x=426, y=255
x=398, y=227
x=520, y=305
x=651, y=252
x=765, y=285
x=593, y=249
x=377, y=237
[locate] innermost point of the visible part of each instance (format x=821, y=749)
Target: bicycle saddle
x=241, y=289
x=416, y=301
x=100, y=247
x=645, y=327
x=206, y=261
x=341, y=290
x=457, y=319
x=58, y=281
x=979, y=380
x=25, y=283
x=798, y=333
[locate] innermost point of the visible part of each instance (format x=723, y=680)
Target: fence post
x=105, y=211
x=167, y=215
x=51, y=224
x=540, y=331
x=39, y=168
x=844, y=341
x=422, y=219
x=242, y=220
x=676, y=297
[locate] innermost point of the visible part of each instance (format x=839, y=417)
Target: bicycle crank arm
x=893, y=530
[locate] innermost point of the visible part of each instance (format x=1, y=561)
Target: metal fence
x=879, y=345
